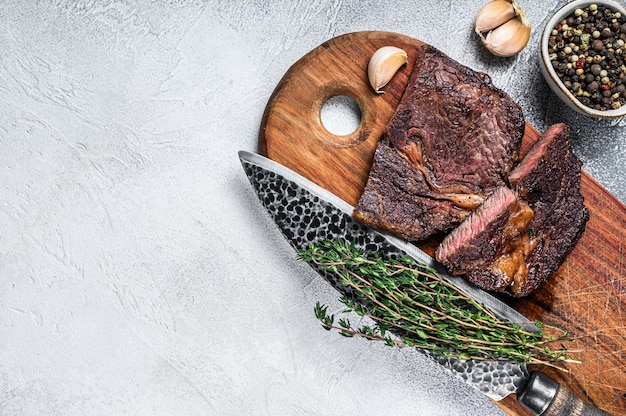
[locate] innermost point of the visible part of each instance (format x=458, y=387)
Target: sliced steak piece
x=490, y=247
x=458, y=137
x=399, y=200
x=549, y=179
x=511, y=245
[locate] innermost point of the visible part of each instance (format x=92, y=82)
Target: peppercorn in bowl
x=583, y=57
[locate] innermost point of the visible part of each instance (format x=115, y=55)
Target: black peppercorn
x=595, y=69
x=597, y=45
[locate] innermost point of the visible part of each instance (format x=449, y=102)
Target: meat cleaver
x=306, y=213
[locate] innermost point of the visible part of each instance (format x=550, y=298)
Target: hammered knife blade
x=305, y=213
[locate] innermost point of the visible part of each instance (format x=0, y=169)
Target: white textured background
x=138, y=273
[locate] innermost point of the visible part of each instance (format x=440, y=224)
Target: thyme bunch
x=411, y=305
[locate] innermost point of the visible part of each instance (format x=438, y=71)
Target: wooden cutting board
x=586, y=296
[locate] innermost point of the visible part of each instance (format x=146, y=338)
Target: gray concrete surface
x=138, y=273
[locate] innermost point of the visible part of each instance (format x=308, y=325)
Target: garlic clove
x=508, y=39
x=520, y=13
x=383, y=65
x=494, y=14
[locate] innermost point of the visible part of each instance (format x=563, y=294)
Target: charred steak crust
x=454, y=138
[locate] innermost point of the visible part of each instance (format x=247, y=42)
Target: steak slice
x=457, y=136
x=490, y=247
x=515, y=241
x=549, y=179
x=399, y=200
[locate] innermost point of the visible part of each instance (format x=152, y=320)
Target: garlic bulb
x=503, y=27
x=383, y=65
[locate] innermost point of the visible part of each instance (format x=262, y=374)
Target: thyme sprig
x=412, y=305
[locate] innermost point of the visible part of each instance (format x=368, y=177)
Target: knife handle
x=544, y=396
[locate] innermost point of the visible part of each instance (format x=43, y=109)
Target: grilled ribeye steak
x=457, y=134
x=515, y=241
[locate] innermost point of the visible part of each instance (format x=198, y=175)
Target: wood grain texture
x=587, y=296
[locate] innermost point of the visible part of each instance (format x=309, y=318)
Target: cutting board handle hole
x=341, y=115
